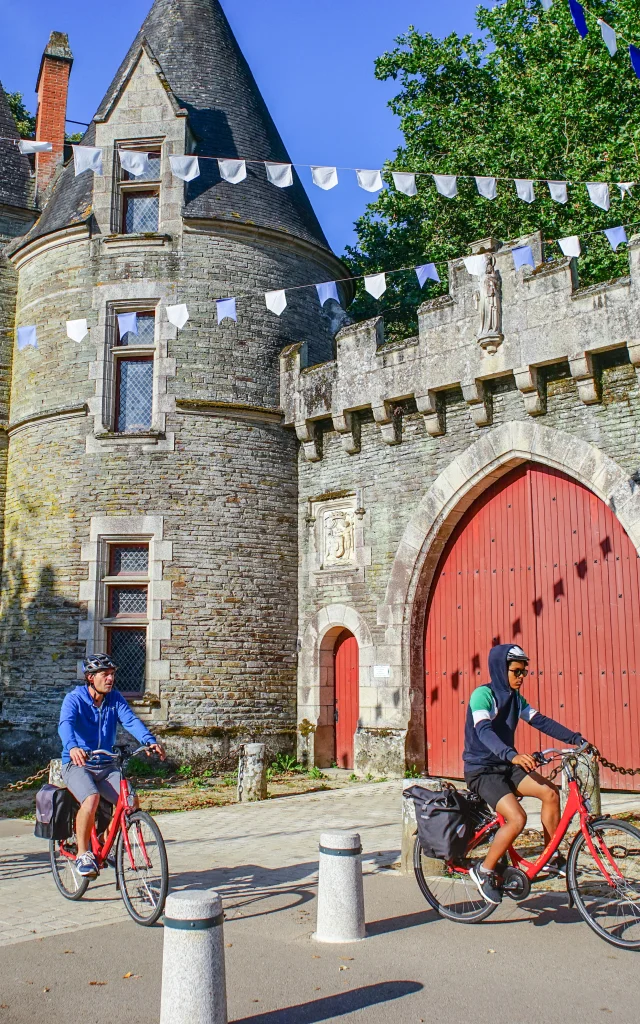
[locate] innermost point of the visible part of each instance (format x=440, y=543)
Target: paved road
x=535, y=963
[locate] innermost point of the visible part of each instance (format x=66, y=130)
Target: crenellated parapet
x=497, y=323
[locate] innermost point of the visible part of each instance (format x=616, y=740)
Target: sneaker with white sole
x=86, y=865
x=487, y=882
x=556, y=866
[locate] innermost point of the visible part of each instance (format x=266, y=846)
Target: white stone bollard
x=252, y=773
x=193, y=976
x=340, y=893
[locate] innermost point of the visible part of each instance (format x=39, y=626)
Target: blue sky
x=313, y=60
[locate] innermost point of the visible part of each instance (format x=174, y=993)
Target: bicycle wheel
x=143, y=876
x=452, y=894
x=72, y=885
x=611, y=910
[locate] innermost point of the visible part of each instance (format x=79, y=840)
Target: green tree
x=528, y=98
x=26, y=122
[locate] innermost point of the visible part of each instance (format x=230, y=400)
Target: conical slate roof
x=16, y=187
x=208, y=76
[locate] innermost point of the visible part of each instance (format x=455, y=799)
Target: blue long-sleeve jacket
x=83, y=724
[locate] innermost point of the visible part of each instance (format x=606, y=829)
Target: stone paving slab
x=244, y=850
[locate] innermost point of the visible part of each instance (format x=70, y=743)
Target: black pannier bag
x=56, y=810
x=446, y=820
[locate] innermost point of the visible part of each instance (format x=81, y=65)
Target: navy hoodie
x=493, y=714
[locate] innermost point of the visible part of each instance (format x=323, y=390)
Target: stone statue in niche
x=488, y=300
x=339, y=537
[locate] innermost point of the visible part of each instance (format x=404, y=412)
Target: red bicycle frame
x=122, y=809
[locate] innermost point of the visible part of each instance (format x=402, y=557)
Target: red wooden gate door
x=540, y=561
x=347, y=702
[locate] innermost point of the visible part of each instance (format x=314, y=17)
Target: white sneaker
x=86, y=865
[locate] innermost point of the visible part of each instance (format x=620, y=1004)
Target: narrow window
x=126, y=601
x=140, y=196
x=134, y=377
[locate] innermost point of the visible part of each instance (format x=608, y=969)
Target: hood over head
x=498, y=672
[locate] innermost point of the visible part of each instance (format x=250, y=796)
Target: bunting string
x=276, y=301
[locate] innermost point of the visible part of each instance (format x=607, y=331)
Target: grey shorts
x=84, y=782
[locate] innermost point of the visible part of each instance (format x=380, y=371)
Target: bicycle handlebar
x=541, y=756
x=119, y=755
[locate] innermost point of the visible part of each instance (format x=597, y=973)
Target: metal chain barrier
x=613, y=767
x=28, y=782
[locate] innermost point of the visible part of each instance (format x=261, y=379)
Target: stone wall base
x=380, y=751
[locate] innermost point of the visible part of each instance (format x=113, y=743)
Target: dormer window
x=138, y=195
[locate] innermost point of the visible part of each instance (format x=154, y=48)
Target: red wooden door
x=538, y=560
x=347, y=703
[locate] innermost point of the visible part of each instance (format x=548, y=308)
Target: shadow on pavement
x=397, y=924
x=335, y=1006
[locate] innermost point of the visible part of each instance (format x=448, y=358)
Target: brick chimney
x=52, y=87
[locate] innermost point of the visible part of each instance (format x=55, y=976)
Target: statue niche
x=488, y=300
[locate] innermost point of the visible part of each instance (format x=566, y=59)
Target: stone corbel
x=581, y=367
x=634, y=356
x=528, y=385
x=390, y=424
x=306, y=434
x=433, y=413
x=348, y=426
x=479, y=402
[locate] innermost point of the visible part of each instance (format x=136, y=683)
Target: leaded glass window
x=141, y=212
x=146, y=331
x=127, y=601
x=134, y=395
x=153, y=174
x=128, y=648
x=129, y=559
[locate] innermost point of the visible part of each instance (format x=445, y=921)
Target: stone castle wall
x=404, y=435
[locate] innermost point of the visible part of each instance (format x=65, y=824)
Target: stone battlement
x=540, y=317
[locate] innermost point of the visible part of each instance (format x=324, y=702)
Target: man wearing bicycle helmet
x=495, y=771
x=88, y=721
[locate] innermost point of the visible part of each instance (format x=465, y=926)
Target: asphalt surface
x=534, y=963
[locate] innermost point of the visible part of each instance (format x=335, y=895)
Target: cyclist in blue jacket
x=495, y=771
x=88, y=721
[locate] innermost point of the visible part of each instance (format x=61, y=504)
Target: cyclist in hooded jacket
x=495, y=771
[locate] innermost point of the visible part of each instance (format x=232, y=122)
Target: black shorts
x=493, y=783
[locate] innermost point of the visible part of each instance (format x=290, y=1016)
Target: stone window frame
x=129, y=297
x=126, y=186
x=104, y=532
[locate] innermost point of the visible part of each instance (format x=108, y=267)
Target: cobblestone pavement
x=247, y=851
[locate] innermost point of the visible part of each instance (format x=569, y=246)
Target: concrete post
x=193, y=975
x=430, y=866
x=340, y=893
x=55, y=773
x=252, y=773
x=589, y=773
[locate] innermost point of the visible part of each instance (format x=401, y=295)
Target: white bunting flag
x=324, y=177
x=523, y=256
x=609, y=37
x=178, y=315
x=405, y=182
x=599, y=194
x=29, y=146
x=616, y=237
x=27, y=337
x=475, y=265
x=524, y=188
x=134, y=163
x=279, y=174
x=371, y=181
x=376, y=284
x=446, y=185
x=185, y=167
x=570, y=246
x=327, y=290
x=87, y=158
x=625, y=188
x=547, y=4
x=276, y=301
x=226, y=308
x=127, y=324
x=558, y=191
x=234, y=171
x=427, y=272
x=486, y=187
x=77, y=330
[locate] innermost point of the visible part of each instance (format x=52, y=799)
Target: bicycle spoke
x=612, y=908
x=142, y=868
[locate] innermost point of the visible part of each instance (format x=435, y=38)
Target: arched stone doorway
x=339, y=698
x=539, y=560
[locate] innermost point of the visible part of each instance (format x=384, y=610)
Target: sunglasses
x=520, y=673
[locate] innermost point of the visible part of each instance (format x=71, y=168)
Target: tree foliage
x=25, y=122
x=528, y=99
